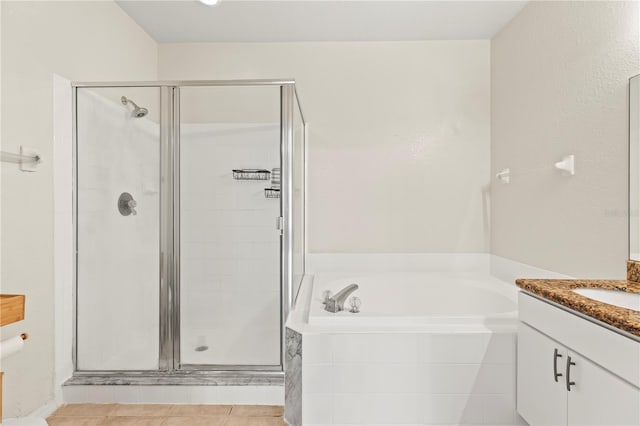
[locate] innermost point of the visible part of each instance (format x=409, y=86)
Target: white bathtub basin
x=612, y=297
x=412, y=299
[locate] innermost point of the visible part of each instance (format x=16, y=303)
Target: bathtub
x=410, y=299
x=426, y=348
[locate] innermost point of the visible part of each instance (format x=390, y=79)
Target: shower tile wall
x=118, y=266
x=230, y=247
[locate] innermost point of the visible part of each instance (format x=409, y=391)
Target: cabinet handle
x=568, y=376
x=556, y=355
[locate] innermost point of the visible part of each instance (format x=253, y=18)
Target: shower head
x=137, y=112
x=140, y=112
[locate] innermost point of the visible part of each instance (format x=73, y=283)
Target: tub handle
x=556, y=355
x=326, y=295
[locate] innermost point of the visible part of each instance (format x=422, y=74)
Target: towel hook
x=567, y=165
x=504, y=175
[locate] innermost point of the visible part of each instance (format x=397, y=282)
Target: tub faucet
x=335, y=303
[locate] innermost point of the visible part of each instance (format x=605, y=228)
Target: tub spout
x=335, y=303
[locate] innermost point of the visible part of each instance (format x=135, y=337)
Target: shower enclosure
x=189, y=219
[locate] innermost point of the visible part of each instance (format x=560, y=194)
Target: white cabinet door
x=600, y=398
x=541, y=399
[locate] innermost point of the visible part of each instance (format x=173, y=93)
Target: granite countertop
x=559, y=291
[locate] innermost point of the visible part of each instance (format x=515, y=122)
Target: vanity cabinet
x=594, y=396
x=559, y=384
x=599, y=397
x=541, y=399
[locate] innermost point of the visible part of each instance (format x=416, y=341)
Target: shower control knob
x=326, y=295
x=127, y=205
x=355, y=304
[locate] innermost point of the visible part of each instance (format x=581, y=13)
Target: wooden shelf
x=11, y=308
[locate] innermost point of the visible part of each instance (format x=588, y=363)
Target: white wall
x=398, y=135
x=80, y=41
x=559, y=81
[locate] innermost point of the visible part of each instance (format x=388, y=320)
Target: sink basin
x=612, y=297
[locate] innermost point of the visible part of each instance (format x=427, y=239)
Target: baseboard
x=46, y=410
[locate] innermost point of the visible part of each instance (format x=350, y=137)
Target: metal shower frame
x=170, y=369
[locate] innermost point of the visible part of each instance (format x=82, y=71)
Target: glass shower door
x=117, y=238
x=230, y=292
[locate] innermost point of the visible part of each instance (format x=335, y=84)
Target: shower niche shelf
x=271, y=193
x=251, y=174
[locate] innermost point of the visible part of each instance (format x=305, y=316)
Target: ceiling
x=308, y=20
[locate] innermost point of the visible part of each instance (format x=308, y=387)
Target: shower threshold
x=182, y=377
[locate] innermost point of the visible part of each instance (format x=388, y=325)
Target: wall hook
x=504, y=175
x=567, y=165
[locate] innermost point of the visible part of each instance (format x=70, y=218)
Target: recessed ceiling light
x=209, y=2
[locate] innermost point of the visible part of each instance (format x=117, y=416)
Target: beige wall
x=80, y=41
x=559, y=81
x=398, y=135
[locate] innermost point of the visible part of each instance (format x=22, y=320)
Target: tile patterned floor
x=166, y=415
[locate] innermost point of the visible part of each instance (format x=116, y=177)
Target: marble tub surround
x=560, y=291
x=293, y=377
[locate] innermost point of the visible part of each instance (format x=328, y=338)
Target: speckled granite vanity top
x=559, y=291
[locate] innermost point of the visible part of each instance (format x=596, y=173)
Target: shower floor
x=166, y=415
